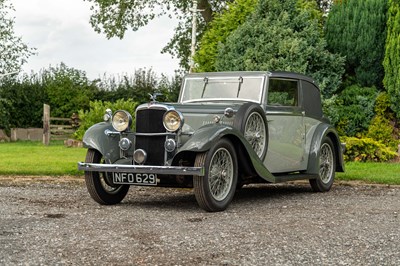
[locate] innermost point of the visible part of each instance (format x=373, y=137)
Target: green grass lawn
x=382, y=173
x=33, y=158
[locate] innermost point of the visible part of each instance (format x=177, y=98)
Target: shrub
x=352, y=110
x=97, y=110
x=382, y=127
x=366, y=150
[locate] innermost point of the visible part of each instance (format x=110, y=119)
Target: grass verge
x=381, y=173
x=33, y=158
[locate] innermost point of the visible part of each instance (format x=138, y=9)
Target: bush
x=352, y=110
x=96, y=112
x=366, y=150
x=382, y=127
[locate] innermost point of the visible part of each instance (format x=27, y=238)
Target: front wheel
x=214, y=191
x=100, y=185
x=327, y=166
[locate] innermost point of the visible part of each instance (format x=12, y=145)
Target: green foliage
x=115, y=17
x=138, y=87
x=311, y=6
x=22, y=102
x=5, y=114
x=97, y=110
x=357, y=30
x=279, y=36
x=367, y=150
x=352, y=110
x=218, y=30
x=170, y=88
x=391, y=61
x=13, y=52
x=68, y=90
x=382, y=127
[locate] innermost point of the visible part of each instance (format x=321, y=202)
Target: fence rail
x=56, y=128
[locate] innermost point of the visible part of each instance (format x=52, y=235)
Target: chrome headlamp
x=173, y=120
x=121, y=120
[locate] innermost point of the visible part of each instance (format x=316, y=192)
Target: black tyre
x=327, y=164
x=214, y=191
x=100, y=185
x=251, y=121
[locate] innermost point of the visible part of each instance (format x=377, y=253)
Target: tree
x=25, y=97
x=357, y=29
x=68, y=90
x=279, y=36
x=13, y=52
x=218, y=30
x=391, y=61
x=115, y=17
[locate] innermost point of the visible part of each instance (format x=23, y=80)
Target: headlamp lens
x=121, y=120
x=173, y=120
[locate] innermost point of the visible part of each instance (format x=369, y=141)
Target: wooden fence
x=55, y=128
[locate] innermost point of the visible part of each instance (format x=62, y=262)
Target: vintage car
x=228, y=129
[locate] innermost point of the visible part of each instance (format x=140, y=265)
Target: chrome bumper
x=148, y=169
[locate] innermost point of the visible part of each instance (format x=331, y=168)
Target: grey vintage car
x=227, y=129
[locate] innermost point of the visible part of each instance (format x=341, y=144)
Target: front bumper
x=148, y=169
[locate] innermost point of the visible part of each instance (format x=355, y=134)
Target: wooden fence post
x=46, y=124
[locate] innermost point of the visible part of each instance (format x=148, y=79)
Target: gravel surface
x=45, y=221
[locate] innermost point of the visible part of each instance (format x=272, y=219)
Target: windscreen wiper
x=240, y=86
x=204, y=88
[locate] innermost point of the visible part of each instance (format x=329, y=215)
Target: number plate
x=135, y=179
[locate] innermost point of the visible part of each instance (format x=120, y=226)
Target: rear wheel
x=99, y=184
x=214, y=191
x=327, y=166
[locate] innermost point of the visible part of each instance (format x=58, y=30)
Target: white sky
x=61, y=32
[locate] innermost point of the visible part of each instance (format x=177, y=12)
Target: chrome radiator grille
x=151, y=121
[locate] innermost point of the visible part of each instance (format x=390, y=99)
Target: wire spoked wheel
x=252, y=122
x=327, y=166
x=214, y=191
x=255, y=133
x=99, y=184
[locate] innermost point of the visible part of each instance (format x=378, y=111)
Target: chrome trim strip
x=156, y=134
x=200, y=100
x=148, y=169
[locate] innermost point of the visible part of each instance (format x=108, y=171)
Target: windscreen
x=222, y=88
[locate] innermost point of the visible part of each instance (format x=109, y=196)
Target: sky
x=60, y=31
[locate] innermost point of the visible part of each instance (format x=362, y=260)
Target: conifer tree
x=391, y=62
x=357, y=29
x=280, y=36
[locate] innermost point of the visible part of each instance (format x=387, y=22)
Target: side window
x=283, y=92
x=311, y=99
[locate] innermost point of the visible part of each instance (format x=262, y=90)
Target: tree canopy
x=391, y=61
x=218, y=30
x=114, y=17
x=357, y=30
x=280, y=36
x=13, y=51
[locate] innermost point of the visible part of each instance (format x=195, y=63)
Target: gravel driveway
x=50, y=222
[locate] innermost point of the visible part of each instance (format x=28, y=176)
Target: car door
x=285, y=116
